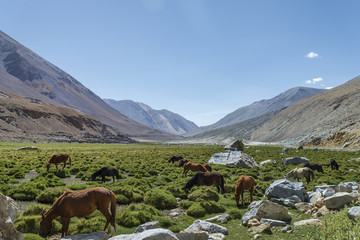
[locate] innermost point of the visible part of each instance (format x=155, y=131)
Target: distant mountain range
x=25, y=73
x=259, y=108
x=162, y=120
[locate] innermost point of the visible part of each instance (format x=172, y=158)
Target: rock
x=253, y=222
x=354, y=212
x=352, y=170
x=207, y=227
x=283, y=201
x=237, y=146
x=285, y=150
x=257, y=236
x=286, y=229
x=88, y=236
x=8, y=212
x=313, y=221
x=147, y=226
x=234, y=158
x=284, y=188
x=347, y=187
x=268, y=161
x=304, y=206
x=262, y=228
x=216, y=236
x=28, y=148
x=340, y=199
x=223, y=218
x=300, y=148
x=192, y=235
x=345, y=145
x=322, y=212
x=294, y=160
x=152, y=234
x=266, y=209
x=272, y=222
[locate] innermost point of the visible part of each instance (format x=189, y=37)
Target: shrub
x=201, y=208
x=196, y=210
x=204, y=194
x=185, y=204
x=160, y=199
x=78, y=187
x=123, y=194
x=31, y=224
x=25, y=192
x=234, y=213
x=136, y=214
x=50, y=195
x=32, y=236
x=35, y=209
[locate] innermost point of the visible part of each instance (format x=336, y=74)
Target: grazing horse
x=175, y=158
x=207, y=166
x=106, y=171
x=195, y=167
x=314, y=166
x=299, y=173
x=58, y=158
x=182, y=162
x=334, y=164
x=207, y=179
x=242, y=184
x=79, y=204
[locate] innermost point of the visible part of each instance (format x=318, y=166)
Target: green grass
x=144, y=169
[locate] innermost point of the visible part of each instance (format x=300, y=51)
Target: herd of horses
x=79, y=204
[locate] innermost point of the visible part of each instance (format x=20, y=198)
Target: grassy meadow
x=149, y=185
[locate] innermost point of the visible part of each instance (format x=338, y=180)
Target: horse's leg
x=65, y=226
x=103, y=178
x=64, y=165
x=104, y=210
x=57, y=169
x=242, y=197
x=218, y=188
x=113, y=178
x=251, y=194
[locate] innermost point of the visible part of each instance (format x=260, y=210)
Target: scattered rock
x=313, y=221
x=88, y=236
x=147, y=226
x=286, y=229
x=28, y=148
x=284, y=188
x=152, y=234
x=192, y=235
x=236, y=146
x=347, y=187
x=207, y=227
x=234, y=158
x=322, y=212
x=272, y=222
x=223, y=218
x=294, y=160
x=354, y=212
x=216, y=236
x=257, y=236
x=340, y=199
x=304, y=206
x=253, y=222
x=262, y=228
x=266, y=209
x=8, y=212
x=268, y=161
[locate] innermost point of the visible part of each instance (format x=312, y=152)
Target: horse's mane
x=56, y=203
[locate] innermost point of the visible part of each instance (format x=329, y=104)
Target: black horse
x=314, y=166
x=182, y=162
x=334, y=164
x=106, y=171
x=175, y=158
x=207, y=179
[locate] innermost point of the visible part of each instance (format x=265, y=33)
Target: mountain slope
x=58, y=86
x=162, y=120
x=28, y=119
x=259, y=108
x=328, y=119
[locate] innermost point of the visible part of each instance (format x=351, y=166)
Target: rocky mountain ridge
x=162, y=120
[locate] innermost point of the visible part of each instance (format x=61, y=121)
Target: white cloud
x=312, y=55
x=314, y=80
x=329, y=88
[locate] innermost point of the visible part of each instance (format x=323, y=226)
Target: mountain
x=259, y=108
x=25, y=119
x=330, y=119
x=21, y=69
x=162, y=120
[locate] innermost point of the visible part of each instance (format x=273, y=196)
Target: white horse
x=299, y=173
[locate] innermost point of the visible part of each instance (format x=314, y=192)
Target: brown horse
x=106, y=171
x=79, y=204
x=58, y=158
x=242, y=184
x=314, y=166
x=207, y=179
x=175, y=158
x=195, y=167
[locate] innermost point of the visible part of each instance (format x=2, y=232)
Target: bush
x=35, y=209
x=196, y=210
x=123, y=194
x=136, y=214
x=234, y=213
x=185, y=204
x=78, y=187
x=31, y=224
x=160, y=199
x=50, y=195
x=32, y=236
x=204, y=194
x=25, y=192
x=201, y=208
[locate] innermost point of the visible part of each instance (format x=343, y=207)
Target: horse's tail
x=222, y=184
x=69, y=160
x=113, y=210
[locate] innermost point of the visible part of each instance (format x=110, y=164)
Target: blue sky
x=201, y=59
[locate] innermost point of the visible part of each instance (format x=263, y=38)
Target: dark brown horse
x=79, y=204
x=195, y=167
x=242, y=184
x=314, y=166
x=106, y=171
x=334, y=165
x=207, y=179
x=182, y=162
x=175, y=158
x=58, y=158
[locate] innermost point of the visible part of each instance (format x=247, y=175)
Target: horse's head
x=45, y=225
x=188, y=186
